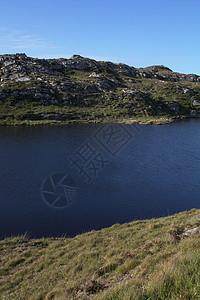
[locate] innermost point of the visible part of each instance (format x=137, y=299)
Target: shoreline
x=108, y=263
x=135, y=221
x=138, y=121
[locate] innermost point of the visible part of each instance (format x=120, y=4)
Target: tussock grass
x=147, y=259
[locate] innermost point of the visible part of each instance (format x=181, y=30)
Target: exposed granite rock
x=94, y=74
x=191, y=231
x=79, y=81
x=196, y=103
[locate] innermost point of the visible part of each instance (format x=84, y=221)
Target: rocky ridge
x=82, y=88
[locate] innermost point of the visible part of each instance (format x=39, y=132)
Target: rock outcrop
x=84, y=82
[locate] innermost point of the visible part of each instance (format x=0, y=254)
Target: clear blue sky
x=138, y=32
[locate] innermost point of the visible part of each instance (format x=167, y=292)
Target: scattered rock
x=61, y=81
x=94, y=74
x=196, y=103
x=191, y=231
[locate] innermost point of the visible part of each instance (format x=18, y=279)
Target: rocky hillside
x=40, y=91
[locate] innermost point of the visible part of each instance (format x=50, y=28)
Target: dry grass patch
x=147, y=259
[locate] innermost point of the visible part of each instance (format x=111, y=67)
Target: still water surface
x=134, y=172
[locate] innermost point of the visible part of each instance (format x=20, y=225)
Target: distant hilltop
x=32, y=66
x=84, y=89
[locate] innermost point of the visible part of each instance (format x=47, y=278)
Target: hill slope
x=148, y=259
x=60, y=91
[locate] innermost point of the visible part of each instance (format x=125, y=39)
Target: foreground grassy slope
x=146, y=259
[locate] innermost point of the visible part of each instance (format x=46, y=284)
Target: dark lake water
x=58, y=181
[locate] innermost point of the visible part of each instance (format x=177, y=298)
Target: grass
x=147, y=259
x=114, y=107
x=129, y=99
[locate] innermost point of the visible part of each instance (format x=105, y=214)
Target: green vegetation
x=31, y=114
x=82, y=90
x=147, y=259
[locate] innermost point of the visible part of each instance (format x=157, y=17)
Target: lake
x=63, y=181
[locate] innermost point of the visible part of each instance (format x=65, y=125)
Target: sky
x=139, y=33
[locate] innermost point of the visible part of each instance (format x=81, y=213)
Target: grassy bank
x=59, y=115
x=136, y=120
x=147, y=259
